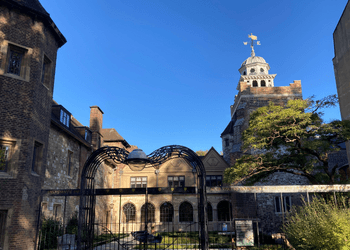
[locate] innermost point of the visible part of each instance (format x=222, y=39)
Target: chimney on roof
x=96, y=117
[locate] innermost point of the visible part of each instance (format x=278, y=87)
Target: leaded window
x=224, y=211
x=166, y=212
x=15, y=61
x=185, y=212
x=138, y=182
x=176, y=181
x=4, y=157
x=129, y=212
x=150, y=213
x=213, y=180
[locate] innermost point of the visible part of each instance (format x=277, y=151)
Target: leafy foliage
x=319, y=225
x=50, y=229
x=288, y=139
x=201, y=152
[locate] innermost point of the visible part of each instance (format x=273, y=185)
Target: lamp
x=137, y=160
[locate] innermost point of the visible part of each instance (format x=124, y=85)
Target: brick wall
x=25, y=110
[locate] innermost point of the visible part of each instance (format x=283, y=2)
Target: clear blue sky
x=165, y=72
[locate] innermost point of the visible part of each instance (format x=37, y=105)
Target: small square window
x=213, y=180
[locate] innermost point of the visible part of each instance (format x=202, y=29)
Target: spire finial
x=252, y=39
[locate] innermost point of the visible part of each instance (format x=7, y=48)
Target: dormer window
x=87, y=136
x=64, y=118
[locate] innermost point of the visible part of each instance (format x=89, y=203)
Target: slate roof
x=228, y=129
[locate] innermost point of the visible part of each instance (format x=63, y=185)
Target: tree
x=319, y=225
x=201, y=152
x=288, y=139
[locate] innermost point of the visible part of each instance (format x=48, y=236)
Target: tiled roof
x=110, y=134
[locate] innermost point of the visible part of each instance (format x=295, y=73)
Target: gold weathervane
x=252, y=39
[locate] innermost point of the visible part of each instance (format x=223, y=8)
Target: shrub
x=50, y=229
x=320, y=224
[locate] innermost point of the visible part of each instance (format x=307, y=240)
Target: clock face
x=252, y=70
x=261, y=70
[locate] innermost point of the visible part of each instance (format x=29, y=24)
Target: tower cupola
x=255, y=70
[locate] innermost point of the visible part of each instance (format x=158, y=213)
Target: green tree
x=319, y=225
x=288, y=139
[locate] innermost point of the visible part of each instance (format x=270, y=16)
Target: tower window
x=255, y=84
x=16, y=61
x=263, y=83
x=244, y=73
x=46, y=72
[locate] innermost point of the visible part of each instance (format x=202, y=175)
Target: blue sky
x=165, y=72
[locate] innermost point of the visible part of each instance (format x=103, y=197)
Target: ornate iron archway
x=119, y=155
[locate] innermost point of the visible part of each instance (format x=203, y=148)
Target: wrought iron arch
x=119, y=156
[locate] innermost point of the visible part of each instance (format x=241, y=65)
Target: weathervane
x=252, y=39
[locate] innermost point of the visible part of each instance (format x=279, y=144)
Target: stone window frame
x=171, y=178
x=224, y=210
x=37, y=157
x=209, y=178
x=6, y=48
x=166, y=211
x=129, y=211
x=185, y=212
x=151, y=212
x=286, y=207
x=143, y=181
x=46, y=71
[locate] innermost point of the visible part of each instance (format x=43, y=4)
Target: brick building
x=29, y=42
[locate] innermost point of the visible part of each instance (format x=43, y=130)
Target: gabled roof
x=213, y=161
x=111, y=135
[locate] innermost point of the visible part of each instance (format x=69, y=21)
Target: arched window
x=166, y=212
x=255, y=84
x=210, y=212
x=186, y=212
x=150, y=213
x=224, y=211
x=263, y=83
x=129, y=212
x=244, y=73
